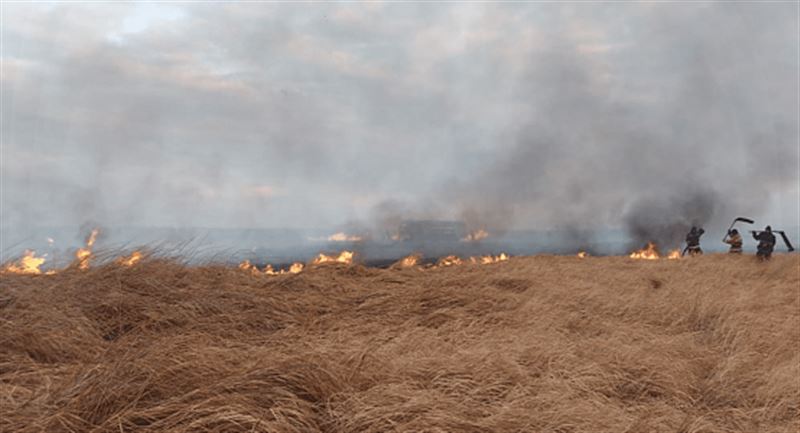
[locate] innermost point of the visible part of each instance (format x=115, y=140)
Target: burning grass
x=542, y=343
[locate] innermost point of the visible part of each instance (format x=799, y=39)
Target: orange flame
x=449, y=261
x=650, y=252
x=249, y=267
x=295, y=268
x=674, y=255
x=84, y=255
x=408, y=262
x=28, y=264
x=131, y=260
x=485, y=260
x=345, y=257
x=269, y=271
x=583, y=254
x=343, y=237
x=246, y=266
x=476, y=235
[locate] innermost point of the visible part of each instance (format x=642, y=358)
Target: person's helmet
x=734, y=232
x=769, y=229
x=694, y=229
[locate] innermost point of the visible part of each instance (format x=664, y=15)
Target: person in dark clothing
x=734, y=239
x=693, y=241
x=766, y=243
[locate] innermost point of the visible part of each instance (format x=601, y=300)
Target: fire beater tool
x=783, y=235
x=785, y=239
x=738, y=219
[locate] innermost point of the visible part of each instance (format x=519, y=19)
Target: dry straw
x=540, y=344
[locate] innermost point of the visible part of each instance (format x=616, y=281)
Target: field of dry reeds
x=534, y=344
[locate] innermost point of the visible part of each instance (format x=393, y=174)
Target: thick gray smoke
x=666, y=220
x=699, y=135
x=577, y=118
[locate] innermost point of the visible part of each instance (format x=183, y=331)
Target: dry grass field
x=534, y=344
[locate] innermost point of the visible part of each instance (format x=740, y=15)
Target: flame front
x=583, y=254
x=249, y=267
x=485, y=260
x=28, y=264
x=246, y=266
x=409, y=262
x=650, y=252
x=476, y=235
x=480, y=260
x=449, y=261
x=84, y=255
x=345, y=257
x=131, y=260
x=343, y=237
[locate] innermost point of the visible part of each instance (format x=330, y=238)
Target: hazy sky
x=309, y=115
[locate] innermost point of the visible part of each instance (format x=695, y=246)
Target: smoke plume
x=647, y=118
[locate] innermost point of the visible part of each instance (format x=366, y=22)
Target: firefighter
x=693, y=241
x=734, y=239
x=766, y=243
